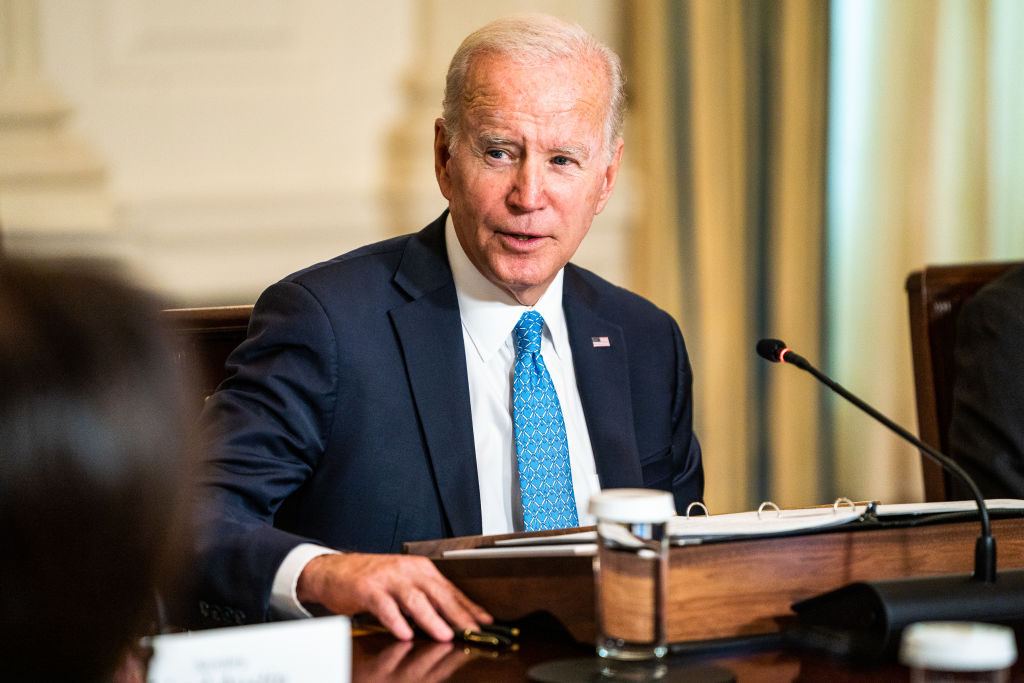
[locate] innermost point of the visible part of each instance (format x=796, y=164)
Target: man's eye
x=561, y=161
x=497, y=153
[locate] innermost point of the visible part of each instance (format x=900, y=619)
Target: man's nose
x=528, y=192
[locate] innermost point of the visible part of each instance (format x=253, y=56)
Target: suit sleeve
x=261, y=435
x=987, y=426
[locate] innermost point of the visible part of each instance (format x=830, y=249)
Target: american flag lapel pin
x=600, y=342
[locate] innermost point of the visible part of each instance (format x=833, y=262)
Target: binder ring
x=699, y=504
x=842, y=501
x=767, y=504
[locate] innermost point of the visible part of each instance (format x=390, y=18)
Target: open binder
x=767, y=521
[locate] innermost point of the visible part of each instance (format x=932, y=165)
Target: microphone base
x=865, y=620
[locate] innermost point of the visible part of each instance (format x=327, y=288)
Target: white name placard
x=285, y=652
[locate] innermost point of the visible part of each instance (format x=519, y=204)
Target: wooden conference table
x=726, y=602
x=378, y=657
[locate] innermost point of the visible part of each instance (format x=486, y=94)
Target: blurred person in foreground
x=91, y=473
x=460, y=380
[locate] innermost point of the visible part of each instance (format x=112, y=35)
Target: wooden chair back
x=935, y=295
x=202, y=338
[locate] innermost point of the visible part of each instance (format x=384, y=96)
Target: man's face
x=530, y=170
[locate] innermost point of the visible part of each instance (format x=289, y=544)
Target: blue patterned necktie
x=542, y=449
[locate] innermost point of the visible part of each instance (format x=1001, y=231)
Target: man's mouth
x=521, y=237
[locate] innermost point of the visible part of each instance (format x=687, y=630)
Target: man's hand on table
x=392, y=588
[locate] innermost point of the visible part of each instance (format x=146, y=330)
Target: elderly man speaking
x=463, y=379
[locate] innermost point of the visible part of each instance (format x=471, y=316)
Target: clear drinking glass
x=631, y=573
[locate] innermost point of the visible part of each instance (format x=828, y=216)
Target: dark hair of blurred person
x=91, y=470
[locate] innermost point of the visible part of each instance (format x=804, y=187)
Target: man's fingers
x=419, y=607
x=391, y=587
x=456, y=608
x=476, y=612
x=435, y=604
x=384, y=607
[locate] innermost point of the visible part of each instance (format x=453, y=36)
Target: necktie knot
x=527, y=332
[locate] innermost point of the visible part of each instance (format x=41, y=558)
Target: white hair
x=529, y=39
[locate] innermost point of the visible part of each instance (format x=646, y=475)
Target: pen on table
x=493, y=635
x=483, y=638
x=501, y=630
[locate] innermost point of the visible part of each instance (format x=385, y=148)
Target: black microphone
x=776, y=351
x=871, y=615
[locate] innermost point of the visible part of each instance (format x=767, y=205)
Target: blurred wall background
x=215, y=146
x=788, y=162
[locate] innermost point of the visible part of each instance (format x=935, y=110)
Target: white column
x=50, y=184
x=411, y=195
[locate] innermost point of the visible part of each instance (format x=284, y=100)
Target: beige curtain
x=728, y=110
x=894, y=124
x=926, y=166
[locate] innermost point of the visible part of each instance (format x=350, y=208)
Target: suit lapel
x=602, y=375
x=429, y=329
x=430, y=332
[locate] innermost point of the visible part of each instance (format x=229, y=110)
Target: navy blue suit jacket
x=345, y=419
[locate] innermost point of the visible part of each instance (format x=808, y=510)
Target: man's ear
x=611, y=173
x=441, y=157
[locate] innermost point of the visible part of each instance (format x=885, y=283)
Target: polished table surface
x=378, y=657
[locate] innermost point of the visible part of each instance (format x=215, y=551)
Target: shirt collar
x=489, y=313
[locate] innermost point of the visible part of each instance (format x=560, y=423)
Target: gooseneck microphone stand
x=865, y=620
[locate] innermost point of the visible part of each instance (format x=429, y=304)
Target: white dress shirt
x=489, y=315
